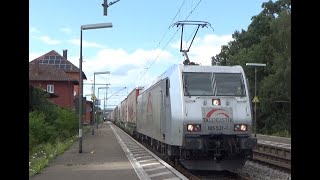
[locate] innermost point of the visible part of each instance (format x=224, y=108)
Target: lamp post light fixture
x=104, y=99
x=255, y=65
x=102, y=88
x=85, y=27
x=94, y=102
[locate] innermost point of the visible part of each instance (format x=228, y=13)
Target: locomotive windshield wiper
x=213, y=81
x=185, y=87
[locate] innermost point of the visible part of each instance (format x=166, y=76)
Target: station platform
x=102, y=158
x=111, y=154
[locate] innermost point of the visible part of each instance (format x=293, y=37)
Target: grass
x=43, y=154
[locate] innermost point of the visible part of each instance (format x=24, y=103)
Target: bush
x=66, y=123
x=32, y=143
x=38, y=101
x=39, y=130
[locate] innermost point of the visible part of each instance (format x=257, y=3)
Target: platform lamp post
x=85, y=27
x=94, y=102
x=255, y=99
x=102, y=88
x=106, y=98
x=99, y=94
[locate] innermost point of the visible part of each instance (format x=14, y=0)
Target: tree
x=267, y=40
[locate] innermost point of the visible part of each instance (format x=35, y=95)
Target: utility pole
x=105, y=6
x=105, y=102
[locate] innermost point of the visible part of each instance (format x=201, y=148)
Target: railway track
x=220, y=175
x=272, y=154
x=196, y=175
x=276, y=155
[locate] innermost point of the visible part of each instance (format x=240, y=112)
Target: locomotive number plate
x=217, y=128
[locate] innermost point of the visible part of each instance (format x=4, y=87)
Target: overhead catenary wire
x=149, y=63
x=116, y=92
x=147, y=68
x=171, y=23
x=193, y=10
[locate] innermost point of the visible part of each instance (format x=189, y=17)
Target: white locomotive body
x=199, y=115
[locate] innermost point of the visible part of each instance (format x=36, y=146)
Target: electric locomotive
x=200, y=116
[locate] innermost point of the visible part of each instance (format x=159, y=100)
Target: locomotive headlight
x=190, y=127
x=243, y=127
x=216, y=102
x=240, y=127
x=194, y=127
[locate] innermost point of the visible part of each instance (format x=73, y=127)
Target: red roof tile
x=48, y=73
x=55, y=59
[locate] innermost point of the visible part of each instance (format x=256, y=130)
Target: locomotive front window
x=229, y=84
x=213, y=84
x=198, y=84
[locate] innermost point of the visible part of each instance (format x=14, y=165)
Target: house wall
x=75, y=75
x=64, y=90
x=88, y=113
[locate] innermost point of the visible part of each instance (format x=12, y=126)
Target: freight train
x=199, y=116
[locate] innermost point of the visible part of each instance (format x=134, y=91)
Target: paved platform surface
x=274, y=139
x=102, y=158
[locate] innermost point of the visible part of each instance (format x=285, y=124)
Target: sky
x=143, y=41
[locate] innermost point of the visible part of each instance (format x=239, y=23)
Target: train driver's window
x=198, y=84
x=229, y=84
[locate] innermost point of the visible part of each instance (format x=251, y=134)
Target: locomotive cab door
x=165, y=106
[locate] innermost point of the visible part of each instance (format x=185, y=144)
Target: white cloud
x=134, y=69
x=204, y=48
x=142, y=67
x=85, y=43
x=34, y=30
x=66, y=30
x=126, y=69
x=48, y=40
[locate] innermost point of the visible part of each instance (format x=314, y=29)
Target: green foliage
x=38, y=101
x=45, y=153
x=52, y=129
x=45, y=136
x=39, y=130
x=32, y=142
x=47, y=121
x=67, y=123
x=37, y=97
x=267, y=40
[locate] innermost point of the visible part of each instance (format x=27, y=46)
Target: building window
x=50, y=88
